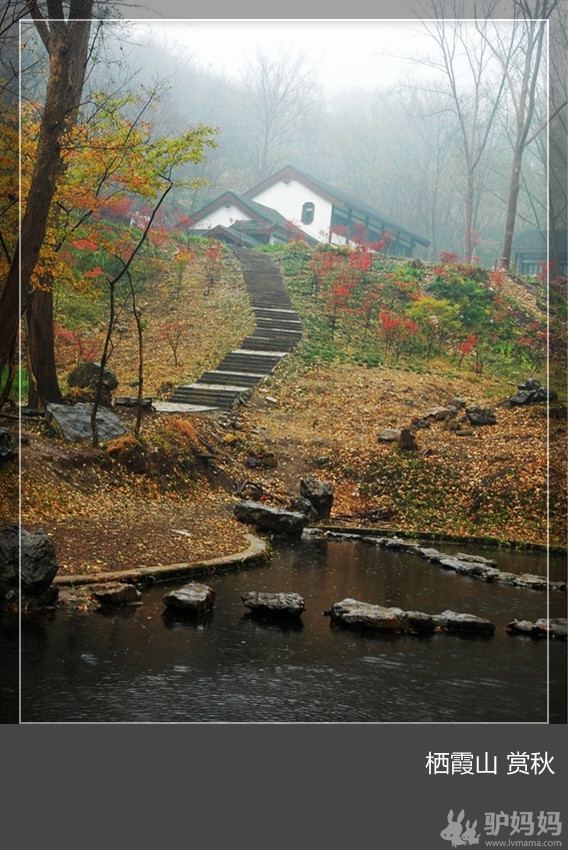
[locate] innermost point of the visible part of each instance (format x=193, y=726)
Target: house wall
x=224, y=216
x=289, y=198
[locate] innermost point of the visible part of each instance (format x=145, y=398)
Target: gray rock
x=534, y=582
x=6, y=447
x=521, y=626
x=471, y=568
x=530, y=384
x=352, y=612
x=319, y=493
x=417, y=622
x=480, y=415
x=283, y=603
x=132, y=401
x=531, y=392
x=116, y=593
x=389, y=435
x=86, y=376
x=520, y=398
x=479, y=559
x=450, y=563
x=506, y=578
x=9, y=555
x=193, y=598
x=271, y=519
x=400, y=544
x=74, y=422
x=38, y=566
x=451, y=621
x=36, y=563
x=322, y=461
x=555, y=627
x=303, y=506
x=489, y=573
x=429, y=554
x=440, y=413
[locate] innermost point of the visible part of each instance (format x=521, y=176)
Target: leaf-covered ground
x=170, y=499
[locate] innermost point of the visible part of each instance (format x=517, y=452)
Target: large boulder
x=264, y=517
x=29, y=556
x=192, y=598
x=319, y=493
x=74, y=422
x=38, y=564
x=9, y=555
x=87, y=376
x=281, y=604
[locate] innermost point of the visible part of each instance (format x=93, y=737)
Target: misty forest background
x=433, y=153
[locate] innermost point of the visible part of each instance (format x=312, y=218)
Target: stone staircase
x=278, y=329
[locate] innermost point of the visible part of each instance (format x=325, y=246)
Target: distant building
x=291, y=201
x=531, y=252
x=238, y=220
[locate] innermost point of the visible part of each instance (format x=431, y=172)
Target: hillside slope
x=170, y=498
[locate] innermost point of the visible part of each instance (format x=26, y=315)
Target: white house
x=291, y=199
x=238, y=220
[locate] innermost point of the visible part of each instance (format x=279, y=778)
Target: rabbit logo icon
x=455, y=832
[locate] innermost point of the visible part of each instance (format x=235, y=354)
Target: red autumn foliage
x=71, y=346
x=448, y=258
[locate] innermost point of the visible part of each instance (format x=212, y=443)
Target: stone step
x=270, y=304
x=277, y=330
x=241, y=379
x=275, y=313
x=266, y=343
x=214, y=397
x=282, y=325
x=287, y=337
x=246, y=361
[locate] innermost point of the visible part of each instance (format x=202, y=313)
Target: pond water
x=143, y=665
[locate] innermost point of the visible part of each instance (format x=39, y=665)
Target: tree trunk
x=514, y=185
x=469, y=202
x=41, y=346
x=67, y=43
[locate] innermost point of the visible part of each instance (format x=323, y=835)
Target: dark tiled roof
x=257, y=211
x=337, y=196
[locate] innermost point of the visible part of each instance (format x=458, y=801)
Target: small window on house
x=308, y=213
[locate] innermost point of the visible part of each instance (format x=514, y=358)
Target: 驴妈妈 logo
x=459, y=835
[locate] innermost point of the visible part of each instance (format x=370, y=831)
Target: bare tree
x=520, y=58
x=280, y=98
x=475, y=94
